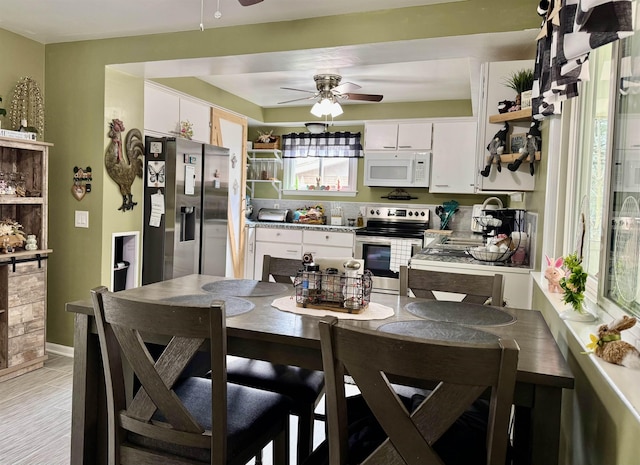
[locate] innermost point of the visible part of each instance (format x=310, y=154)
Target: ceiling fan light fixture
x=316, y=110
x=336, y=110
x=316, y=128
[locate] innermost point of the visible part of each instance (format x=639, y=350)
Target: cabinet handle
x=277, y=234
x=405, y=146
x=389, y=146
x=326, y=237
x=292, y=251
x=442, y=185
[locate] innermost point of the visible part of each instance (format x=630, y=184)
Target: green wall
x=19, y=57
x=75, y=111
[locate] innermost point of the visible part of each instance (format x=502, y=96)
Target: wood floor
x=35, y=417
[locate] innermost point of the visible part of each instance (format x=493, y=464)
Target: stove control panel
x=391, y=213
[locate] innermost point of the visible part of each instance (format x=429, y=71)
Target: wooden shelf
x=520, y=115
x=511, y=157
x=12, y=200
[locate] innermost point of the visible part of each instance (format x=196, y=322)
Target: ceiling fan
x=328, y=86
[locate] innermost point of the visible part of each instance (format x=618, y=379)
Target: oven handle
x=385, y=240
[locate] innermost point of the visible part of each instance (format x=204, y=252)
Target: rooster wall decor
x=123, y=168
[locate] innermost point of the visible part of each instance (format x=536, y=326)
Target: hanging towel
x=400, y=254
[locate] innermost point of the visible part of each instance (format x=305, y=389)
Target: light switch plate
x=82, y=219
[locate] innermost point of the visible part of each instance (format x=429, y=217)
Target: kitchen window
x=606, y=195
x=321, y=164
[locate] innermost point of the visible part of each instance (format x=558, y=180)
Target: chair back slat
x=156, y=411
x=282, y=270
x=476, y=288
x=461, y=372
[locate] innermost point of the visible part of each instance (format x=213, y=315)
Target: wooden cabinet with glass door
x=23, y=285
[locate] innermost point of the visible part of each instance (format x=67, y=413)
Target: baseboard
x=59, y=349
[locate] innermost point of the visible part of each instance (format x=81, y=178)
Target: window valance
x=325, y=145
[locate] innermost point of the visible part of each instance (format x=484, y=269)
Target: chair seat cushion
x=462, y=444
x=300, y=384
x=249, y=412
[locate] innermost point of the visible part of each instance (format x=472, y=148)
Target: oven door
x=377, y=255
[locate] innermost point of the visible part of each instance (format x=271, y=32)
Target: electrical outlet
x=276, y=205
x=81, y=219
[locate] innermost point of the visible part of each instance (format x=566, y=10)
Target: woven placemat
x=460, y=312
x=440, y=331
x=244, y=288
x=232, y=305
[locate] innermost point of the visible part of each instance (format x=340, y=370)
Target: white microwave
x=397, y=169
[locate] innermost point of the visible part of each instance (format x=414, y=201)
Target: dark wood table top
x=540, y=361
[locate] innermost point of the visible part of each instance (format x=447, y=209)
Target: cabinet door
x=281, y=250
x=414, y=136
x=198, y=114
x=453, y=162
x=161, y=110
x=328, y=238
x=381, y=136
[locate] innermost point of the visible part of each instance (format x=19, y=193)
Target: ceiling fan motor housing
x=326, y=82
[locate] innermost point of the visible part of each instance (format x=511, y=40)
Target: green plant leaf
x=520, y=81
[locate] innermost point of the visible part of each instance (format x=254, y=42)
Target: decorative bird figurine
x=123, y=168
x=496, y=148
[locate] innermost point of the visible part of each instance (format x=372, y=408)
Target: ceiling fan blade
x=345, y=87
x=297, y=99
x=365, y=97
x=249, y=2
x=299, y=90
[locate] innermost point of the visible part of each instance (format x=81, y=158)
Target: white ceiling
x=405, y=71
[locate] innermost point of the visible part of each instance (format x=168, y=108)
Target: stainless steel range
x=388, y=240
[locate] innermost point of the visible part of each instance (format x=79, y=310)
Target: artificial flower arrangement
x=186, y=129
x=11, y=235
x=574, y=283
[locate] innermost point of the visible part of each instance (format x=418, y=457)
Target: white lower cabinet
x=292, y=243
x=281, y=243
x=328, y=244
x=518, y=284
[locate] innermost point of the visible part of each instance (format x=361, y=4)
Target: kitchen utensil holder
x=333, y=291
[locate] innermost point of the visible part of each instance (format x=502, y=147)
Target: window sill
x=321, y=193
x=622, y=381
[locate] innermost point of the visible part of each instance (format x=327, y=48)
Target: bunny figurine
x=611, y=348
x=554, y=273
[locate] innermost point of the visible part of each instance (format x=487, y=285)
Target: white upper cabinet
x=453, y=160
x=397, y=135
x=199, y=115
x=161, y=110
x=164, y=109
x=494, y=90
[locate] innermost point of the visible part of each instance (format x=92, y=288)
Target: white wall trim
x=58, y=349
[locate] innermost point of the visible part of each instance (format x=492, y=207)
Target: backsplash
x=461, y=220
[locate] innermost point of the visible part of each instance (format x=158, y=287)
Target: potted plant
x=574, y=285
x=520, y=81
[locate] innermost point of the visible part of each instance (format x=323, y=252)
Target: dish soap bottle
x=360, y=220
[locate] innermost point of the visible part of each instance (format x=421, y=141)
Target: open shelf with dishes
x=264, y=166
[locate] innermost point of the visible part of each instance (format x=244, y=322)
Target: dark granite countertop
x=315, y=227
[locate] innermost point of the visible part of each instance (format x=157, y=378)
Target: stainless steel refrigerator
x=185, y=209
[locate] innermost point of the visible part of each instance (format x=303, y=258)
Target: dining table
x=256, y=329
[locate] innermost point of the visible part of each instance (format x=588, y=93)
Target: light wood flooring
x=35, y=417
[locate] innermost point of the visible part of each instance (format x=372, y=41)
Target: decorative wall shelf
x=272, y=159
x=520, y=115
x=511, y=157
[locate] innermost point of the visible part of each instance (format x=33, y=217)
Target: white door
x=453, y=160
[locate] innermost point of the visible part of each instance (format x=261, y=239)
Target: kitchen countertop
x=430, y=255
x=315, y=227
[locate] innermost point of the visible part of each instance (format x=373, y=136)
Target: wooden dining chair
x=478, y=289
x=175, y=419
x=304, y=387
x=460, y=372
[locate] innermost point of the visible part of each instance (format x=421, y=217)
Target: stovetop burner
x=395, y=222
